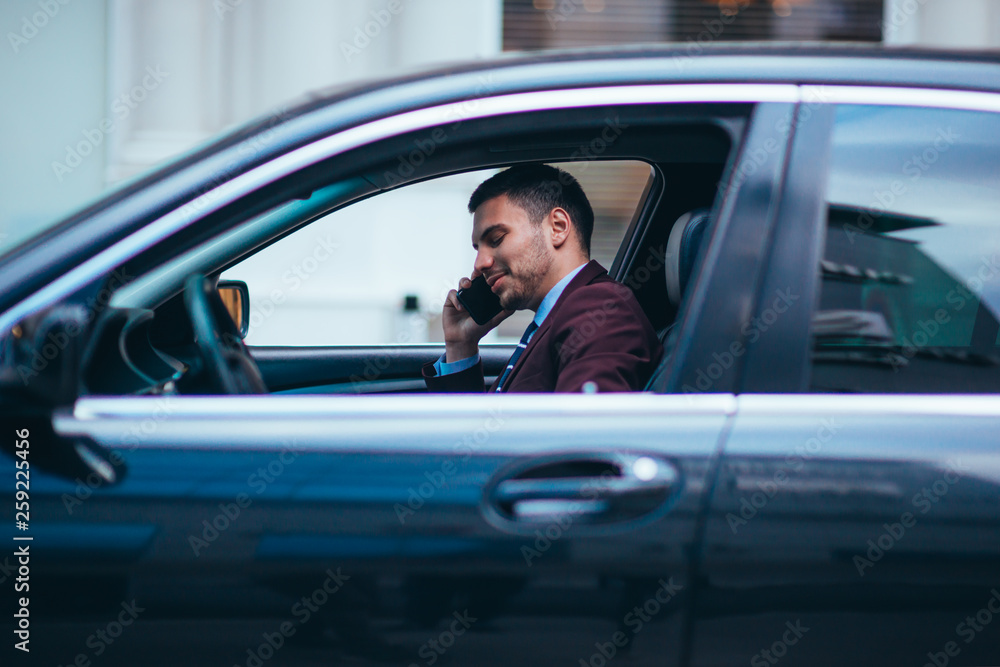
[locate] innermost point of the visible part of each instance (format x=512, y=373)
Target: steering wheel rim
x=219, y=344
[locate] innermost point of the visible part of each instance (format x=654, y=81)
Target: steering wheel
x=219, y=344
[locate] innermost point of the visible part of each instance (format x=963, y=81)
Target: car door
x=533, y=529
x=383, y=529
x=855, y=518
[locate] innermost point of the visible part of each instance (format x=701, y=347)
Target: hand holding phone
x=480, y=301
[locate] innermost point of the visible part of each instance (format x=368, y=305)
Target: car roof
x=329, y=110
x=792, y=62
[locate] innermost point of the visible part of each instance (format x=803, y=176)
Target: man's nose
x=484, y=260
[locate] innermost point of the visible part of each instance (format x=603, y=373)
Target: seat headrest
x=682, y=250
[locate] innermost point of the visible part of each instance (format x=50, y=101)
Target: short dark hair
x=539, y=188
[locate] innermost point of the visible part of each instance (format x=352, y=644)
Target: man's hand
x=461, y=333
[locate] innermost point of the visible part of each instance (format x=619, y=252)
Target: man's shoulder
x=590, y=277
x=598, y=292
x=604, y=283
x=593, y=282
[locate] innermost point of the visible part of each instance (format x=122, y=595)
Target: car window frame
x=778, y=361
x=727, y=272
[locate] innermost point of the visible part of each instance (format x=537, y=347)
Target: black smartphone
x=480, y=301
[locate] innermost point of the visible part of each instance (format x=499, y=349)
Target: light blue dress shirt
x=544, y=308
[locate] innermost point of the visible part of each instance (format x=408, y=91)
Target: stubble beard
x=525, y=278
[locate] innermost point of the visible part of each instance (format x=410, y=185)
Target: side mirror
x=236, y=296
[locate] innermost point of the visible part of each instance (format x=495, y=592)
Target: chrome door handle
x=628, y=486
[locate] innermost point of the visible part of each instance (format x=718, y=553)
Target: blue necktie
x=517, y=354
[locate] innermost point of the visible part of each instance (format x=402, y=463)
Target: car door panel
x=396, y=529
x=359, y=369
x=849, y=521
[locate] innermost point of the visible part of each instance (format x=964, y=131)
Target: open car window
x=377, y=272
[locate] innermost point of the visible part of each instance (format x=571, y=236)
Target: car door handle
x=599, y=488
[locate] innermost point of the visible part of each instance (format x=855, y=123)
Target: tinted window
x=911, y=270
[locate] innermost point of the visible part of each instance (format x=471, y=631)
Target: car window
x=377, y=272
x=910, y=290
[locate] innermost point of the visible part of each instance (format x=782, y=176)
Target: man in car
x=531, y=230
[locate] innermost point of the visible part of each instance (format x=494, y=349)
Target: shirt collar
x=545, y=307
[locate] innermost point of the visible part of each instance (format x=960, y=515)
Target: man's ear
x=560, y=226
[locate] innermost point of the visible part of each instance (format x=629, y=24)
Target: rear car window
x=911, y=266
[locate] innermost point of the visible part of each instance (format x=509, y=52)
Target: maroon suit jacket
x=596, y=333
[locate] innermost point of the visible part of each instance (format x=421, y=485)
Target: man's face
x=511, y=253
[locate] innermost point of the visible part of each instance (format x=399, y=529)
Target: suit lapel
x=586, y=275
